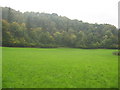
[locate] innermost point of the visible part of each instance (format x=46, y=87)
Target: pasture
x=59, y=68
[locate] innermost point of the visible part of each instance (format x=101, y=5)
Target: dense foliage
x=34, y=29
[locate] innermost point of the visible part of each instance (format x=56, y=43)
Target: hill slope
x=34, y=29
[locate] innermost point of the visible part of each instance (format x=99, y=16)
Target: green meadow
x=59, y=68
x=0, y=67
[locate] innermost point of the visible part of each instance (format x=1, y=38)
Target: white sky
x=92, y=11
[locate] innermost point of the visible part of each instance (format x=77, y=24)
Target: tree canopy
x=34, y=29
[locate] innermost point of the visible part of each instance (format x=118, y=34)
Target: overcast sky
x=92, y=11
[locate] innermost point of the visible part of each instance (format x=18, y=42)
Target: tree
x=7, y=39
x=50, y=30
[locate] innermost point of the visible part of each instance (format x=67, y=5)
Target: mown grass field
x=59, y=68
x=0, y=67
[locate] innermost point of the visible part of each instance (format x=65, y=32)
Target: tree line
x=34, y=29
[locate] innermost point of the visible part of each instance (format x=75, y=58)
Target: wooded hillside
x=34, y=29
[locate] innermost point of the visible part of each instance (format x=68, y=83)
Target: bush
x=117, y=53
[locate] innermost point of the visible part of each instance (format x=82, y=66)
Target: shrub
x=117, y=53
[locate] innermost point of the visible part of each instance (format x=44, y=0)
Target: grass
x=59, y=68
x=0, y=68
